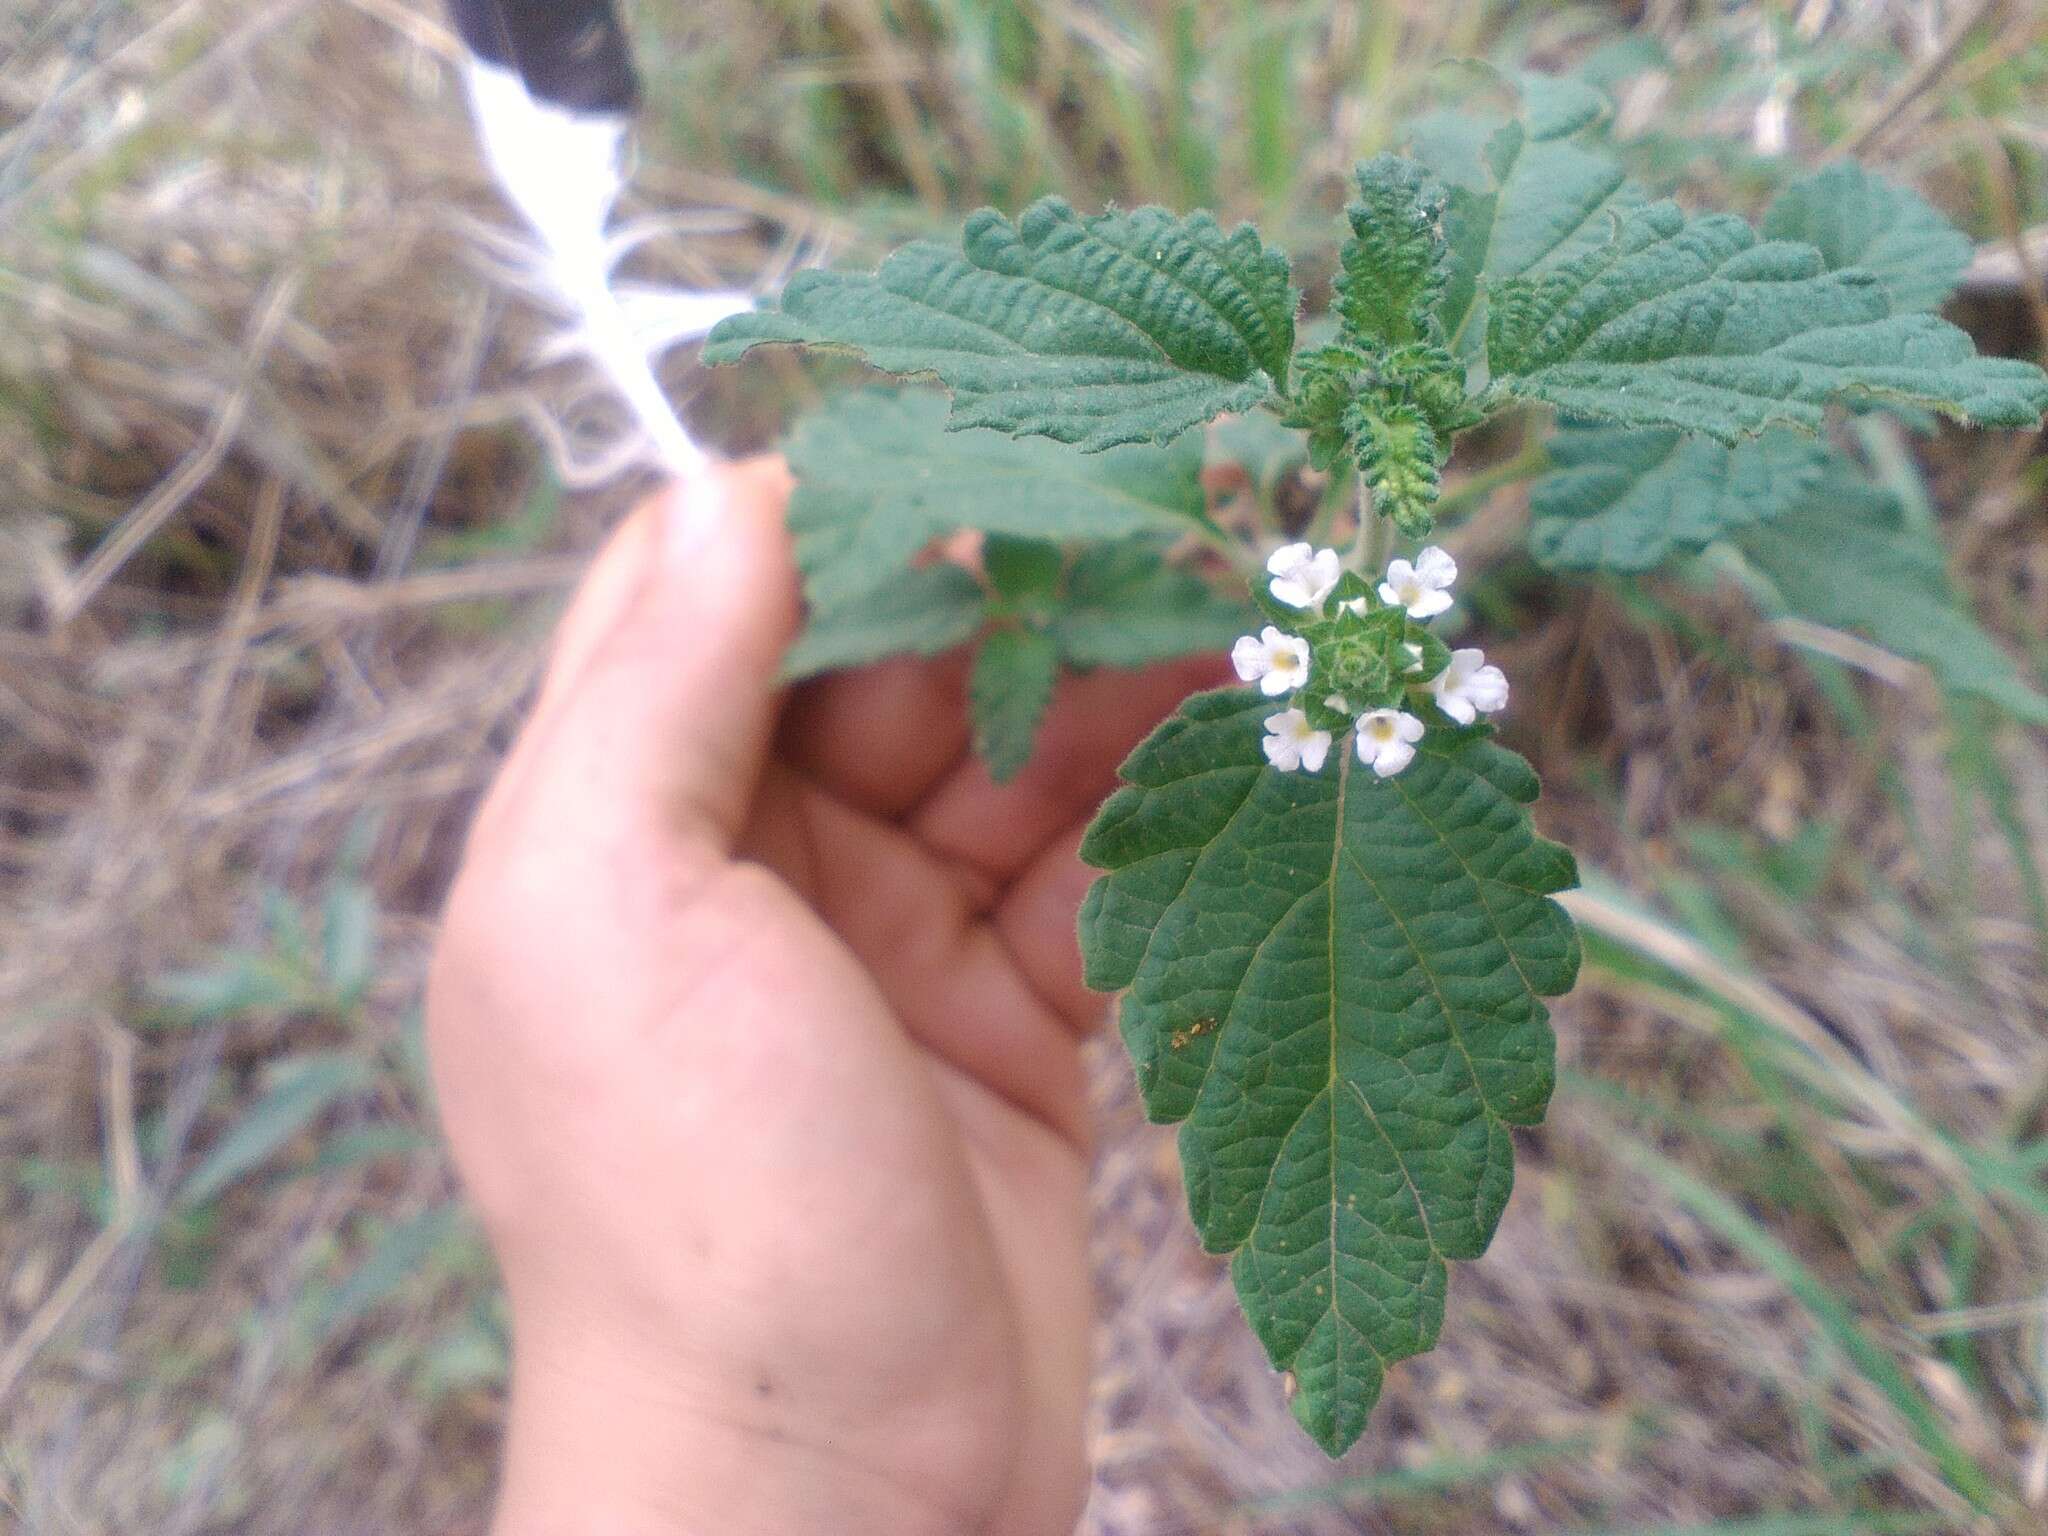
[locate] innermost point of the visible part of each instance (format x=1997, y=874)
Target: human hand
x=757, y=1036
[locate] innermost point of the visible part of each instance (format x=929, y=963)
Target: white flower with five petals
x=1386, y=740
x=1277, y=662
x=1291, y=742
x=1423, y=588
x=1468, y=687
x=1303, y=576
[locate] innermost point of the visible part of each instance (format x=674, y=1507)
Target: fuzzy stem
x=1375, y=536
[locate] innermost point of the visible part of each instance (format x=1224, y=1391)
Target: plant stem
x=1326, y=511
x=1375, y=535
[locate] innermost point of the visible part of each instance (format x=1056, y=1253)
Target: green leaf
x=1125, y=608
x=1629, y=498
x=1007, y=697
x=878, y=478
x=1023, y=571
x=1393, y=266
x=917, y=612
x=1402, y=459
x=1557, y=106
x=1333, y=982
x=301, y=1090
x=1847, y=558
x=1119, y=327
x=1856, y=218
x=403, y=1252
x=1695, y=324
x=348, y=940
x=239, y=984
x=1529, y=199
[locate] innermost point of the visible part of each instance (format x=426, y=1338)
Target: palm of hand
x=957, y=899
x=780, y=1112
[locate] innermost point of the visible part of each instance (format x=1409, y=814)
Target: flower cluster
x=1368, y=645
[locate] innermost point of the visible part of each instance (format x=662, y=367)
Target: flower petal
x=1392, y=758
x=1287, y=558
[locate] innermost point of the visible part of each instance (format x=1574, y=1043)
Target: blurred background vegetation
x=286, y=506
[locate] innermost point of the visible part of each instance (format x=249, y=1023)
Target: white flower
x=1423, y=588
x=1414, y=655
x=1338, y=702
x=1468, y=686
x=1302, y=576
x=1276, y=662
x=1386, y=740
x=1291, y=742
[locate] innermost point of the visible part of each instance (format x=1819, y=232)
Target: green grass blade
x=1876, y=1364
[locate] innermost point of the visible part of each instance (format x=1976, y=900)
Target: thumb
x=663, y=694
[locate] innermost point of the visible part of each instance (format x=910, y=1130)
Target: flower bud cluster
x=1354, y=659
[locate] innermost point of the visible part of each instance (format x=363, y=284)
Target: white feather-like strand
x=562, y=170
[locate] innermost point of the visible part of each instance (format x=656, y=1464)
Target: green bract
x=1334, y=982
x=1324, y=901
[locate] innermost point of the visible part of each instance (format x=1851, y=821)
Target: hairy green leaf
x=1007, y=696
x=917, y=612
x=1531, y=197
x=1124, y=608
x=1847, y=558
x=1695, y=324
x=1402, y=459
x=1628, y=498
x=1119, y=327
x=878, y=478
x=1025, y=572
x=1393, y=266
x=1334, y=982
x=1856, y=218
x=1557, y=106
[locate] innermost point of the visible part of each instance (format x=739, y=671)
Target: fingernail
x=691, y=515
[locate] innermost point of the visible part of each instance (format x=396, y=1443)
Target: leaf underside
x=878, y=478
x=1334, y=984
x=1846, y=558
x=1696, y=324
x=1119, y=327
x=919, y=613
x=1856, y=218
x=1629, y=498
x=1124, y=607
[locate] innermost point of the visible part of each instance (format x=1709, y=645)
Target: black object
x=570, y=53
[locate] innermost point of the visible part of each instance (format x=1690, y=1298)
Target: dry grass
x=266, y=614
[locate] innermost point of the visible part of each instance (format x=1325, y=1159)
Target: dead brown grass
x=251, y=372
